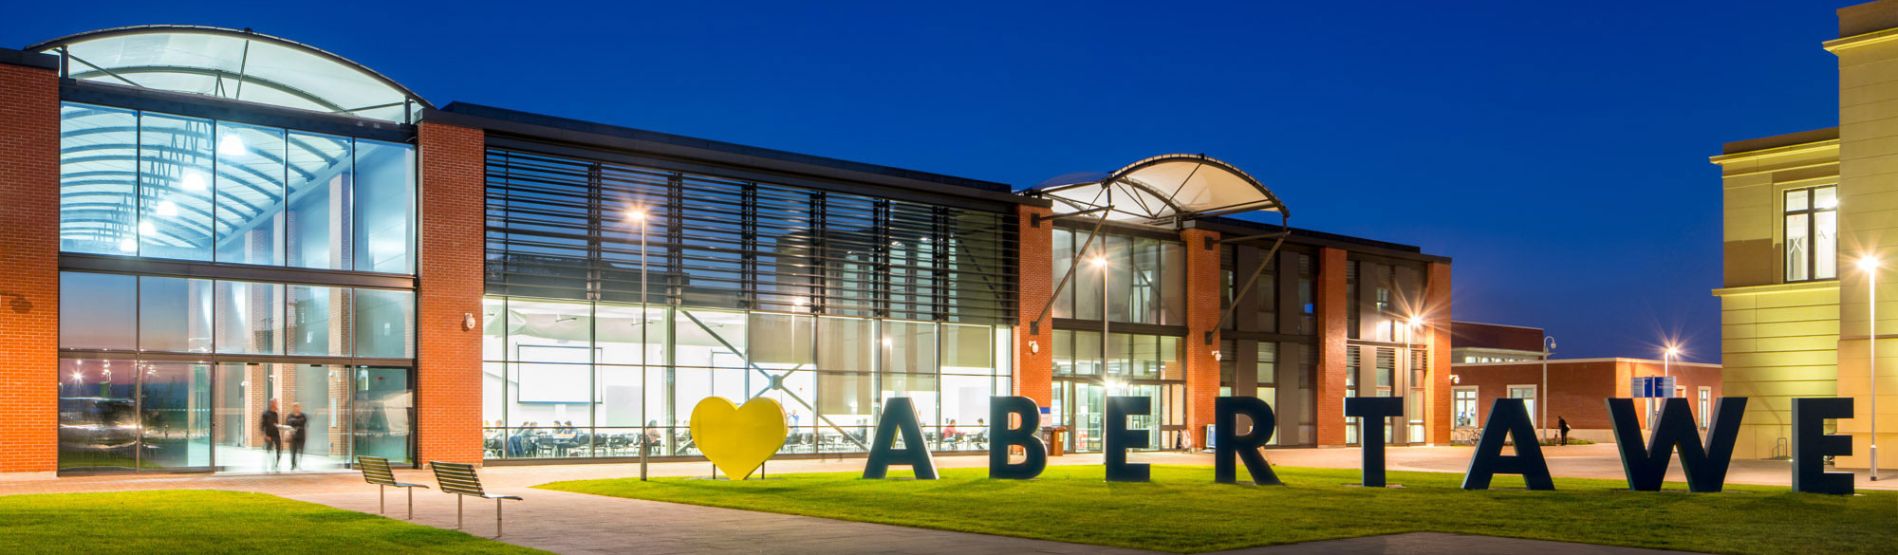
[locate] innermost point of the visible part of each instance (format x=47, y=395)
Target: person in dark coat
x=299, y=423
x=273, y=439
x=1562, y=425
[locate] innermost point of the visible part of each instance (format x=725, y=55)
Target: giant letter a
x=1508, y=418
x=1646, y=466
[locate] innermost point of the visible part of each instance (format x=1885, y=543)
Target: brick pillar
x=1328, y=294
x=448, y=357
x=1034, y=371
x=1202, y=317
x=1436, y=308
x=29, y=264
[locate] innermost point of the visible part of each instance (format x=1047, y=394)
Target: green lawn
x=197, y=521
x=1182, y=510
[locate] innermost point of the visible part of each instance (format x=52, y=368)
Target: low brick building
x=1576, y=391
x=1494, y=361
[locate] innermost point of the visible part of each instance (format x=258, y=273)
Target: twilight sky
x=1557, y=151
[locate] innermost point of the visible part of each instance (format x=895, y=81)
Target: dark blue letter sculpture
x=1811, y=445
x=1120, y=439
x=1371, y=412
x=899, y=415
x=1508, y=418
x=1226, y=443
x=1001, y=437
x=1646, y=466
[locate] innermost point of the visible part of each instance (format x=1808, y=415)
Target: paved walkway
x=577, y=523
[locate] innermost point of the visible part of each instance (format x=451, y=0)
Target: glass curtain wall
x=1136, y=365
x=1268, y=349
x=829, y=303
x=1145, y=278
x=171, y=187
x=1386, y=294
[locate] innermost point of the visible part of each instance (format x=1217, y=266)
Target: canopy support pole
x=1270, y=254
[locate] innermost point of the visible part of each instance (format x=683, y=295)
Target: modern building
x=1493, y=361
x=1801, y=211
x=207, y=224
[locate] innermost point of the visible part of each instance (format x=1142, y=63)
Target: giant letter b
x=1002, y=436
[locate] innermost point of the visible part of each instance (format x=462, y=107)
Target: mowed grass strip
x=200, y=521
x=1183, y=511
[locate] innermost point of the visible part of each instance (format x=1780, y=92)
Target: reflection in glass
x=97, y=311
x=98, y=414
x=175, y=415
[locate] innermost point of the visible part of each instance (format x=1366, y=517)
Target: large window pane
x=98, y=171
x=320, y=201
x=175, y=176
x=909, y=347
x=967, y=349
x=175, y=415
x=98, y=414
x=318, y=317
x=1063, y=257
x=383, y=320
x=846, y=345
x=97, y=311
x=1825, y=249
x=250, y=194
x=1797, y=245
x=174, y=314
x=620, y=331
x=385, y=207
x=249, y=318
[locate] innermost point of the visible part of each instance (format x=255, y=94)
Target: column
x=29, y=263
x=1034, y=353
x=448, y=357
x=1436, y=309
x=1203, y=312
x=1329, y=296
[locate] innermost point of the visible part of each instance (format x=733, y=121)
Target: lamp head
x=636, y=215
x=1867, y=263
x=1099, y=261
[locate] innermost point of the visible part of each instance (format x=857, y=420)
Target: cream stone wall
x=1868, y=220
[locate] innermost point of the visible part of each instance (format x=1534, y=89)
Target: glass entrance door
x=277, y=417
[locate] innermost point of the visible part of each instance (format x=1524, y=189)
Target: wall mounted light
x=1216, y=356
x=1034, y=347
x=467, y=321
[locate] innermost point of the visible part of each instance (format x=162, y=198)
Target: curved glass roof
x=234, y=64
x=1163, y=190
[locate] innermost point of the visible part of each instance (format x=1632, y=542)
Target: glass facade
x=828, y=302
x=1269, y=348
x=184, y=367
x=171, y=187
x=1145, y=278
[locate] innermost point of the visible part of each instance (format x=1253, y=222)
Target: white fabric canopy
x=234, y=64
x=1164, y=190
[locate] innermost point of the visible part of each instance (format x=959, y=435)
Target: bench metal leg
x=382, y=505
x=497, y=518
x=411, y=503
x=458, y=512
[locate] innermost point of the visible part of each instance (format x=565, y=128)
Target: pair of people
x=295, y=424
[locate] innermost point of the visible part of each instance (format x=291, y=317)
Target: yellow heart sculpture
x=738, y=439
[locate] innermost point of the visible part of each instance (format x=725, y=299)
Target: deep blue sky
x=1557, y=151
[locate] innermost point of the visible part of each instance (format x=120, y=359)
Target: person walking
x=299, y=423
x=273, y=439
x=1562, y=425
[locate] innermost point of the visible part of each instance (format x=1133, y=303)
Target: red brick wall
x=1329, y=294
x=29, y=269
x=1578, y=388
x=1437, y=310
x=1034, y=371
x=448, y=373
x=1474, y=334
x=1202, y=316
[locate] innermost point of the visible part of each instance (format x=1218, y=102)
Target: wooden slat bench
x=460, y=479
x=376, y=470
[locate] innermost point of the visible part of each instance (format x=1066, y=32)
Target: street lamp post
x=1542, y=420
x=1869, y=264
x=638, y=217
